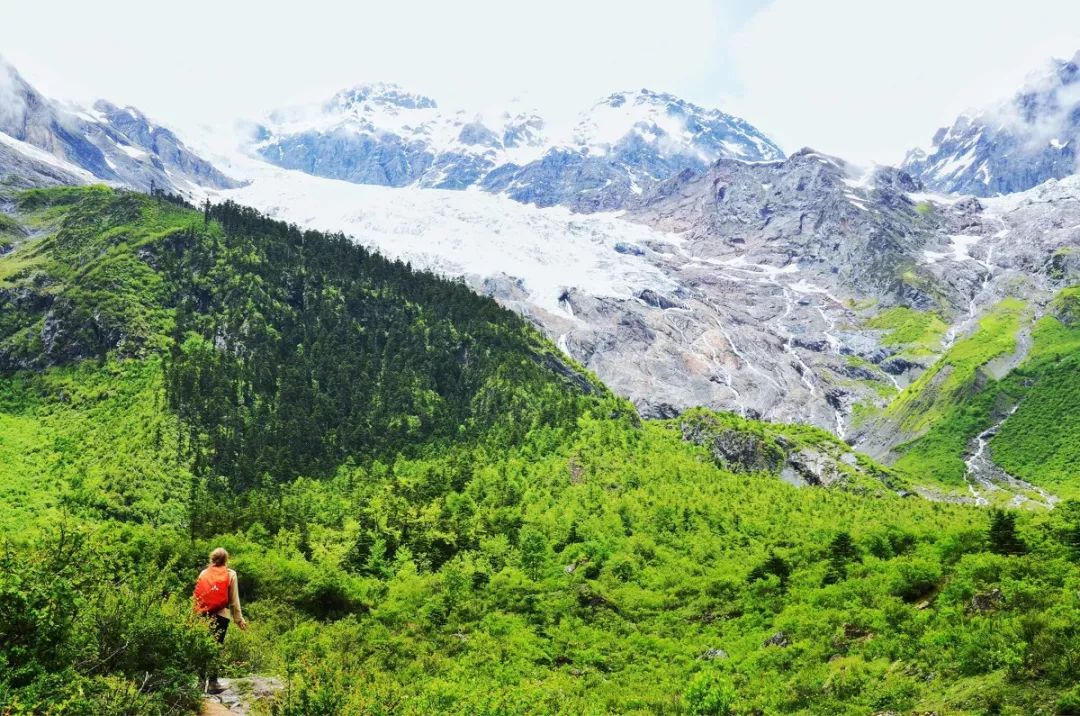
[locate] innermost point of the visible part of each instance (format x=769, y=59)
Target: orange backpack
x=212, y=590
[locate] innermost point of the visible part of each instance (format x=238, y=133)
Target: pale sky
x=862, y=79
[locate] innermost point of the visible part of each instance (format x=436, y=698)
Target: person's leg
x=218, y=626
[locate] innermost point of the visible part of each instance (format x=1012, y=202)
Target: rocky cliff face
x=106, y=142
x=381, y=134
x=800, y=456
x=23, y=166
x=786, y=276
x=771, y=269
x=1010, y=147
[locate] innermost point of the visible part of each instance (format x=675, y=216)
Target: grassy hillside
x=919, y=332
x=1036, y=442
x=432, y=511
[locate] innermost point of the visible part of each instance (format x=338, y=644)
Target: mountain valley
x=640, y=415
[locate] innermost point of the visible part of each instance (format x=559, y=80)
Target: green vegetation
x=91, y=435
x=10, y=232
x=1036, y=442
x=951, y=379
x=431, y=511
x=920, y=331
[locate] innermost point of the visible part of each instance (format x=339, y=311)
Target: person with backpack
x=217, y=596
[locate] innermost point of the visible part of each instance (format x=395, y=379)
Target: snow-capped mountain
x=106, y=142
x=1010, y=147
x=382, y=134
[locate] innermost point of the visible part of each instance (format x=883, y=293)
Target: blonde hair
x=219, y=557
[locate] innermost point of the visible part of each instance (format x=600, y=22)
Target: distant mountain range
x=622, y=145
x=798, y=288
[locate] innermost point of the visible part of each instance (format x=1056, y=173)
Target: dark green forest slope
x=433, y=511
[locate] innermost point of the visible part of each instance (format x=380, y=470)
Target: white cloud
x=868, y=80
x=12, y=106
x=241, y=57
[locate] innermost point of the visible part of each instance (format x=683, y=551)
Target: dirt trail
x=240, y=695
x=213, y=708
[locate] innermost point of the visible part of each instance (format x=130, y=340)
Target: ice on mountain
x=382, y=134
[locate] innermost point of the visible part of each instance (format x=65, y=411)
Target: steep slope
x=96, y=273
x=421, y=496
x=1000, y=436
x=625, y=144
x=854, y=279
x=1009, y=351
x=1010, y=147
x=381, y=134
x=787, y=264
x=992, y=421
x=114, y=144
x=25, y=166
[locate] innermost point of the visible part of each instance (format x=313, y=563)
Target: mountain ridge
x=802, y=290
x=113, y=144
x=1012, y=146
x=380, y=133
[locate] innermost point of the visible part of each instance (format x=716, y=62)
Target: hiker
x=217, y=596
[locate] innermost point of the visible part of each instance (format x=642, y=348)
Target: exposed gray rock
x=246, y=695
x=733, y=449
x=813, y=467
x=386, y=160
x=658, y=300
x=987, y=601
x=744, y=447
x=20, y=169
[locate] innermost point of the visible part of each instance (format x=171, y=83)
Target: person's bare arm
x=234, y=602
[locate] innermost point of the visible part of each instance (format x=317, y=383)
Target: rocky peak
x=22, y=109
x=1012, y=146
x=113, y=144
x=386, y=94
x=381, y=134
x=670, y=126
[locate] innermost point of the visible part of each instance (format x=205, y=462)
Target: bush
x=914, y=579
x=709, y=695
x=1068, y=704
x=79, y=631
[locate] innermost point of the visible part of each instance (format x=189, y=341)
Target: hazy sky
x=863, y=79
